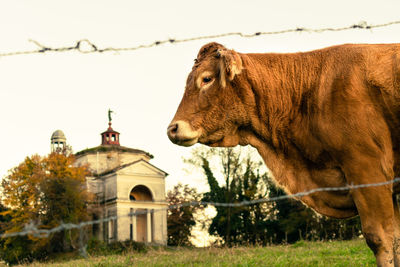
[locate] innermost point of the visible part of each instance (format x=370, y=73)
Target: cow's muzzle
x=181, y=133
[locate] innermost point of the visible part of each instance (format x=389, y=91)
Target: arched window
x=140, y=193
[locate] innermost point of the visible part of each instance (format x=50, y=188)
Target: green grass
x=344, y=253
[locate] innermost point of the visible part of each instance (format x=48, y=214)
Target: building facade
x=129, y=190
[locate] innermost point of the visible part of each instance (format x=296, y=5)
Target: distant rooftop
x=58, y=135
x=126, y=165
x=107, y=148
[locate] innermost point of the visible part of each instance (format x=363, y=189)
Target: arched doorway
x=140, y=193
x=143, y=221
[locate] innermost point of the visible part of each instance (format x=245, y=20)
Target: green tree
x=242, y=182
x=252, y=187
x=44, y=191
x=181, y=220
x=293, y=221
x=283, y=221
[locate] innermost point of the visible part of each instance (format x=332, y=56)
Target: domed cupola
x=58, y=141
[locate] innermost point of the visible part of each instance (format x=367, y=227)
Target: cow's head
x=211, y=110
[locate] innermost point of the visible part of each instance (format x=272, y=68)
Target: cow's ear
x=230, y=65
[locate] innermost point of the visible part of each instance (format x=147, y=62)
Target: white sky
x=72, y=92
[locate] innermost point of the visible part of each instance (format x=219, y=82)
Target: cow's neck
x=280, y=84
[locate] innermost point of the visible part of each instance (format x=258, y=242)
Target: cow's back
x=320, y=81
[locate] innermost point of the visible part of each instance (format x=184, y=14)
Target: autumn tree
x=43, y=191
x=181, y=219
x=4, y=220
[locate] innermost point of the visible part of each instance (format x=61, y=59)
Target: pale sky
x=71, y=91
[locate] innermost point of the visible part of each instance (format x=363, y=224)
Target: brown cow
x=324, y=118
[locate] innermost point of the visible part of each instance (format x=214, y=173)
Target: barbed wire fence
x=86, y=47
x=36, y=231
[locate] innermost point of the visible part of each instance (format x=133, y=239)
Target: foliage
x=4, y=219
x=181, y=220
x=294, y=221
x=242, y=182
x=284, y=221
x=45, y=191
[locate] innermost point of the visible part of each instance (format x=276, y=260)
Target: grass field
x=344, y=253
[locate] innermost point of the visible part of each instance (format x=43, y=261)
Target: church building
x=124, y=182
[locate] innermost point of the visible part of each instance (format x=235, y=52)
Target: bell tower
x=110, y=137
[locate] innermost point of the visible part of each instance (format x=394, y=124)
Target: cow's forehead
x=204, y=64
x=207, y=63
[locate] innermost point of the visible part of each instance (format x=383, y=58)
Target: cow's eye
x=206, y=79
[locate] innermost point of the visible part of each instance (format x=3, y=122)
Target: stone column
x=149, y=226
x=133, y=221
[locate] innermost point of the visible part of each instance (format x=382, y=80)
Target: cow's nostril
x=172, y=129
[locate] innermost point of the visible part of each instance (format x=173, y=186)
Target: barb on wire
x=31, y=229
x=85, y=46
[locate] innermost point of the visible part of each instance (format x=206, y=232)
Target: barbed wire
x=32, y=229
x=85, y=46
